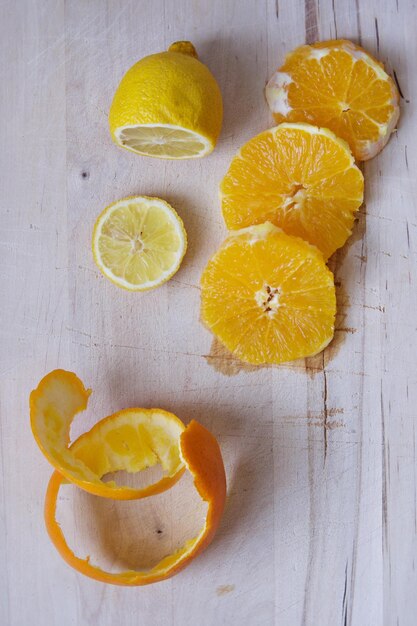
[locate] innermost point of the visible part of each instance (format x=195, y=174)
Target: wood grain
x=320, y=526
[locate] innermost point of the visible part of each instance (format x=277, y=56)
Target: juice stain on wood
x=224, y=589
x=226, y=363
x=315, y=364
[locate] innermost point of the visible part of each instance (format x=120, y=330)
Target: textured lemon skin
x=169, y=88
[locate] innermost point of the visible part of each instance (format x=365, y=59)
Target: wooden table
x=321, y=520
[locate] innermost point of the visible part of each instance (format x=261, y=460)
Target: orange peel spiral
x=130, y=440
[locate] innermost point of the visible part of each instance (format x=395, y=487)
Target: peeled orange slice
x=130, y=440
x=139, y=242
x=338, y=85
x=300, y=177
x=268, y=296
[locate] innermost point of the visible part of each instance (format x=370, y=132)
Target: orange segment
x=129, y=440
x=301, y=178
x=201, y=456
x=268, y=297
x=338, y=85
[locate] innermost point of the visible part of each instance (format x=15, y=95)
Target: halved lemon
x=168, y=105
x=139, y=242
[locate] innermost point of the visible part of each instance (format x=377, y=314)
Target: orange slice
x=338, y=85
x=268, y=297
x=133, y=440
x=300, y=177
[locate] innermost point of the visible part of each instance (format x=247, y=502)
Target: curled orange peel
x=196, y=450
x=130, y=440
x=202, y=457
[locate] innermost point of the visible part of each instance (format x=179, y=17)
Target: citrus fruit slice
x=133, y=440
x=300, y=177
x=139, y=242
x=129, y=440
x=168, y=105
x=338, y=85
x=268, y=296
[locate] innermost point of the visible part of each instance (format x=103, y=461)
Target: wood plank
x=33, y=294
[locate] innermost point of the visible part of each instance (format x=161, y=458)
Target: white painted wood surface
x=320, y=526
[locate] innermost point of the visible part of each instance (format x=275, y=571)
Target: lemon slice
x=139, y=242
x=168, y=105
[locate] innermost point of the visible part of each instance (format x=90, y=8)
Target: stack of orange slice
x=289, y=197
